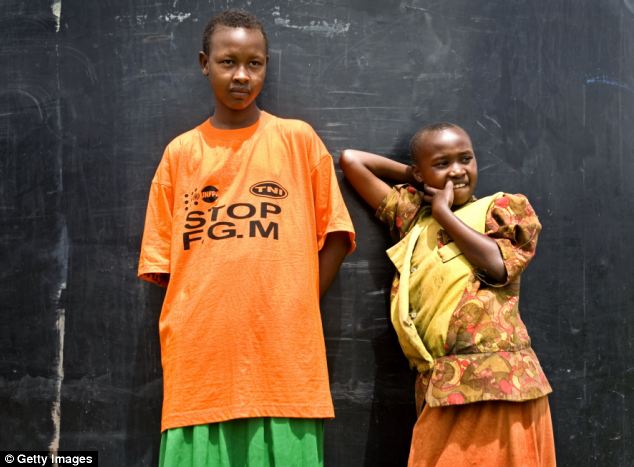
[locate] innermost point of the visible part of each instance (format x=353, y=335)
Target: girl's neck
x=227, y=119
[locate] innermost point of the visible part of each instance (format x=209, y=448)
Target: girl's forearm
x=331, y=256
x=380, y=166
x=481, y=251
x=362, y=170
x=367, y=172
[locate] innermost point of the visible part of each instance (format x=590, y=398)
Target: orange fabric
x=492, y=434
x=236, y=218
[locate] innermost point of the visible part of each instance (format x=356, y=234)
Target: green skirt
x=254, y=442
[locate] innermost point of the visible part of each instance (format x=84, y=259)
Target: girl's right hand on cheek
x=439, y=199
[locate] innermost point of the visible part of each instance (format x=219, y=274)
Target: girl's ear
x=416, y=174
x=203, y=61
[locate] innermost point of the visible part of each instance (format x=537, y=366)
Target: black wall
x=90, y=92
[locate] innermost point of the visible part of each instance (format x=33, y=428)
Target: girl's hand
x=439, y=199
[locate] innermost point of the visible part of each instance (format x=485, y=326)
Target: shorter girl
x=480, y=390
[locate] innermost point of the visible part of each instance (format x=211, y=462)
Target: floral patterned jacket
x=485, y=353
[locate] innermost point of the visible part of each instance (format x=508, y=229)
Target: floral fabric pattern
x=488, y=349
x=400, y=208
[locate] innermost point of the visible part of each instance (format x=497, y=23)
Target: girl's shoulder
x=516, y=204
x=400, y=208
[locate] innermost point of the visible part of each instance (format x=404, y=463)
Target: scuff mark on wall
x=608, y=82
x=56, y=8
x=175, y=17
x=322, y=27
x=329, y=29
x=142, y=19
x=139, y=20
x=56, y=412
x=61, y=256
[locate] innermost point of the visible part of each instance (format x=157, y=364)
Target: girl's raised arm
x=365, y=171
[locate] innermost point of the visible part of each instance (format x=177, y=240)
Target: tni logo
x=269, y=189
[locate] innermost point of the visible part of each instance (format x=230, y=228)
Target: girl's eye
x=227, y=61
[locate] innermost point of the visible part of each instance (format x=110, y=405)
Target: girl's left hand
x=439, y=199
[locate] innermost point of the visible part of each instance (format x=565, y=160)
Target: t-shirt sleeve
x=331, y=214
x=513, y=224
x=154, y=260
x=399, y=209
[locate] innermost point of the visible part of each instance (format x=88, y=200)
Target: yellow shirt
x=463, y=335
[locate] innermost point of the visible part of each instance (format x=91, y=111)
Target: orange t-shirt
x=236, y=218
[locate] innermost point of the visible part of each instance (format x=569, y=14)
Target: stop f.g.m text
x=238, y=220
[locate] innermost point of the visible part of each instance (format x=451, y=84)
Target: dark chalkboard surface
x=92, y=91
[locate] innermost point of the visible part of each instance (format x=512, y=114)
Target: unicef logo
x=209, y=194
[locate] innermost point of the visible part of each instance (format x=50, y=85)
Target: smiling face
x=444, y=155
x=235, y=69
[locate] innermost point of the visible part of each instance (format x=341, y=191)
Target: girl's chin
x=457, y=202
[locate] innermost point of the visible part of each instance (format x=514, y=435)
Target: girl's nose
x=456, y=169
x=241, y=75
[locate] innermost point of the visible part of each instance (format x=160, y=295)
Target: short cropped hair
x=417, y=140
x=233, y=19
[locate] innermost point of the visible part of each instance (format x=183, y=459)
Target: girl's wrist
x=440, y=211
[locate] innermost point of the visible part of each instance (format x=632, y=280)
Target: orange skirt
x=491, y=434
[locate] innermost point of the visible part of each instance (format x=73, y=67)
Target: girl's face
x=235, y=67
x=448, y=155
